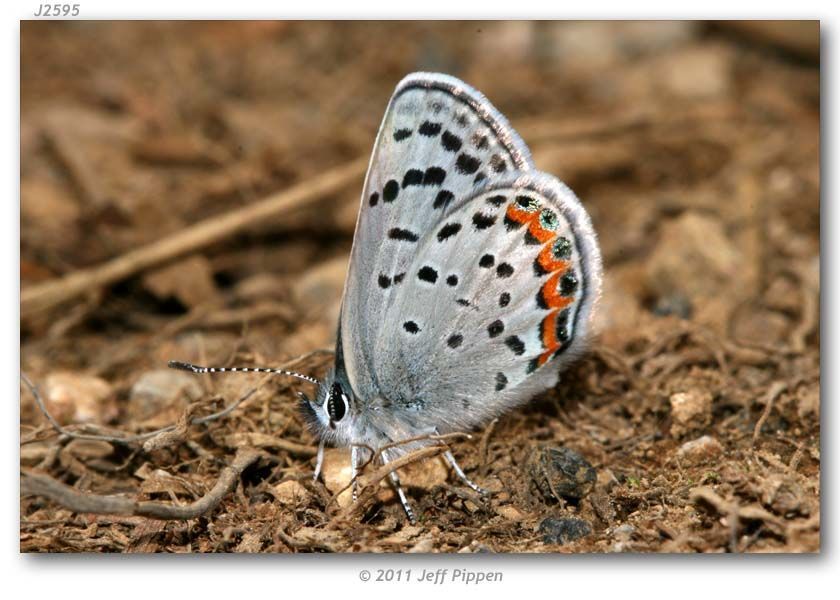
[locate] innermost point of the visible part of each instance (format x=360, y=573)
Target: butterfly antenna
x=184, y=366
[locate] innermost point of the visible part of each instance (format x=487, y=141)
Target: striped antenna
x=183, y=366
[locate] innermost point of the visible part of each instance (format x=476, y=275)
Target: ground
x=695, y=147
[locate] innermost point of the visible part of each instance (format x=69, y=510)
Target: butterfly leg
x=450, y=458
x=395, y=481
x=460, y=473
x=319, y=461
x=354, y=470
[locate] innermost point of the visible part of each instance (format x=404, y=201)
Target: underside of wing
x=495, y=301
x=439, y=143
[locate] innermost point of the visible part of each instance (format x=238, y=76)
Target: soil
x=695, y=147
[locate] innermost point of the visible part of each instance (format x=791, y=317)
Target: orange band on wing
x=514, y=213
x=536, y=230
x=549, y=331
x=543, y=358
x=548, y=262
x=551, y=294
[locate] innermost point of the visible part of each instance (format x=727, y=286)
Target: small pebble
x=673, y=304
x=690, y=410
x=560, y=531
x=74, y=398
x=162, y=390
x=561, y=472
x=784, y=496
x=624, y=532
x=291, y=493
x=701, y=450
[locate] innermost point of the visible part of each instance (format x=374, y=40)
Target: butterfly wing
x=496, y=298
x=439, y=142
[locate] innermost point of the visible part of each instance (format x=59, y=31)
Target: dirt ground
x=695, y=148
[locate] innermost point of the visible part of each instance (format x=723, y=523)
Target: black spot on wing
x=496, y=201
x=427, y=273
x=443, y=199
x=496, y=328
x=504, y=299
x=450, y=142
x=402, y=235
x=411, y=327
x=497, y=163
x=429, y=129
x=501, y=381
x=487, y=261
x=390, y=191
x=562, y=248
x=504, y=270
x=455, y=340
x=447, y=231
x=562, y=326
x=467, y=164
x=374, y=199
x=401, y=134
x=530, y=240
x=384, y=281
x=568, y=284
x=434, y=176
x=412, y=177
x=479, y=141
x=515, y=344
x=482, y=221
x=452, y=280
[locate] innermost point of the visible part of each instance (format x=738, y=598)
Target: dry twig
x=774, y=392
x=39, y=484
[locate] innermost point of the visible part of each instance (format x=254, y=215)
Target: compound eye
x=336, y=404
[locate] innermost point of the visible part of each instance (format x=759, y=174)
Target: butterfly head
x=331, y=413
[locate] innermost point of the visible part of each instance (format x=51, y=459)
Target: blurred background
x=695, y=147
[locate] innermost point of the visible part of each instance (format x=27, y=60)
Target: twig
x=775, y=390
x=127, y=439
x=46, y=296
x=39, y=484
x=176, y=435
x=733, y=510
x=438, y=437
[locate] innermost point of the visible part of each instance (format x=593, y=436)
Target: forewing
x=496, y=298
x=439, y=142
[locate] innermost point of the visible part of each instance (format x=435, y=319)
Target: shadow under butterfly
x=471, y=284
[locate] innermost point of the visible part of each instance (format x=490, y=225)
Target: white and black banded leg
x=395, y=481
x=184, y=366
x=354, y=471
x=460, y=473
x=450, y=458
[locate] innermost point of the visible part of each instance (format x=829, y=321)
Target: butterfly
x=471, y=283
